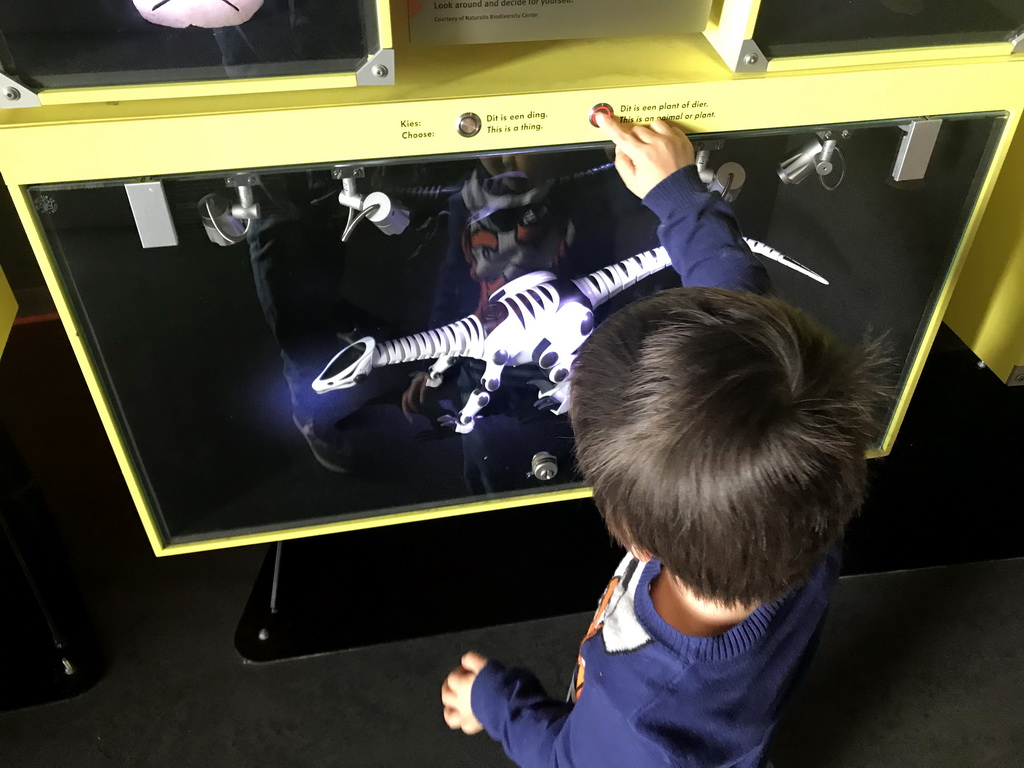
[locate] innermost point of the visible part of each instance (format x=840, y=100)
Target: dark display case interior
x=53, y=44
x=208, y=354
x=805, y=28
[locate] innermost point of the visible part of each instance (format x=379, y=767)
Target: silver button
x=468, y=124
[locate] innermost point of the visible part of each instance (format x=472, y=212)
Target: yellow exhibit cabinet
x=783, y=35
x=210, y=255
x=8, y=310
x=986, y=311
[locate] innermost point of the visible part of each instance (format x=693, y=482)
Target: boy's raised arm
x=698, y=229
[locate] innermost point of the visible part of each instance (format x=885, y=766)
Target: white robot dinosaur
x=535, y=318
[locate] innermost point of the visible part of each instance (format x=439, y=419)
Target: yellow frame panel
x=90, y=142
x=118, y=140
x=212, y=88
x=733, y=23
x=200, y=88
x=8, y=310
x=987, y=311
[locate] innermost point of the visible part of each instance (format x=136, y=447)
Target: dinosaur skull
x=198, y=13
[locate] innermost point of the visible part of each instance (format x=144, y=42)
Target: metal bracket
x=1016, y=377
x=14, y=95
x=348, y=172
x=242, y=180
x=379, y=69
x=1017, y=41
x=915, y=152
x=751, y=59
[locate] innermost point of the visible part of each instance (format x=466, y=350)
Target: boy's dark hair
x=725, y=434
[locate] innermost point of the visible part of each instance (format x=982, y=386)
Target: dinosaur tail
x=463, y=338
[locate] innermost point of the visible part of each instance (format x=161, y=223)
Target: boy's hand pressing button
x=646, y=155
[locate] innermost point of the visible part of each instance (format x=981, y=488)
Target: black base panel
x=379, y=585
x=47, y=645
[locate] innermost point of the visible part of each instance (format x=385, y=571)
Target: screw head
x=751, y=59
x=263, y=635
x=544, y=466
x=12, y=94
x=545, y=471
x=845, y=134
x=379, y=70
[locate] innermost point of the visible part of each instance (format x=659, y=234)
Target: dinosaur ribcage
x=532, y=305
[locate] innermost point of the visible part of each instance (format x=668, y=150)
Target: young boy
x=724, y=435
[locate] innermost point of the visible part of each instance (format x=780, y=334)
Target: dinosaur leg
x=435, y=373
x=463, y=421
x=553, y=394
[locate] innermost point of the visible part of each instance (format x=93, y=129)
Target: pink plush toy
x=198, y=13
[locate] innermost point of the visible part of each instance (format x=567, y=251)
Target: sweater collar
x=727, y=645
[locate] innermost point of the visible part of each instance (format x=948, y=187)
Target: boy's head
x=725, y=434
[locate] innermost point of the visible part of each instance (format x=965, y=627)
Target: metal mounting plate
x=379, y=69
x=915, y=152
x=1017, y=41
x=152, y=214
x=14, y=95
x=751, y=58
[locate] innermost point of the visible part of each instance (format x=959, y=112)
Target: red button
x=605, y=108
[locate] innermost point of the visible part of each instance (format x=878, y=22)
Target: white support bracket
x=915, y=152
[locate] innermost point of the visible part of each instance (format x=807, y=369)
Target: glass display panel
x=208, y=353
x=806, y=28
x=57, y=44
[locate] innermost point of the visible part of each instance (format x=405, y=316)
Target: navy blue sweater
x=651, y=696
x=647, y=695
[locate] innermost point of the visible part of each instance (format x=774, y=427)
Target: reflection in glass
x=209, y=352
x=59, y=44
x=806, y=28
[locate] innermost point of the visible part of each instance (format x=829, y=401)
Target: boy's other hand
x=646, y=155
x=455, y=694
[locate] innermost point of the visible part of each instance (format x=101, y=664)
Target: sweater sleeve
x=517, y=713
x=700, y=233
x=539, y=732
